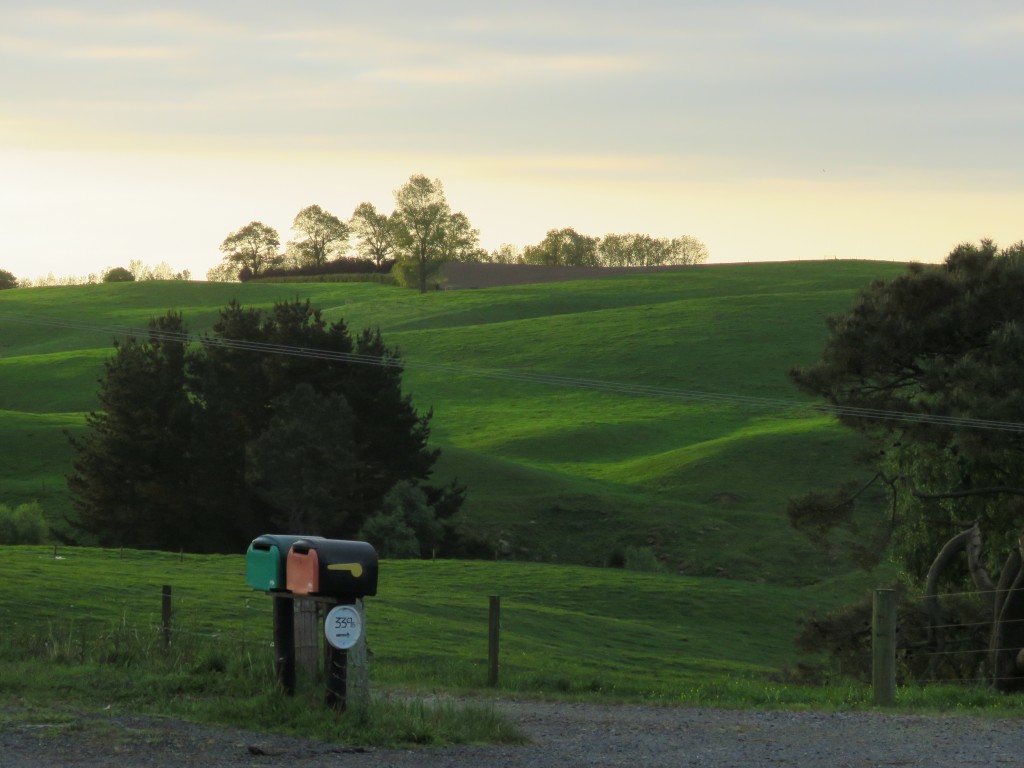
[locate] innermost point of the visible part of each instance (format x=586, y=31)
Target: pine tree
x=271, y=421
x=130, y=478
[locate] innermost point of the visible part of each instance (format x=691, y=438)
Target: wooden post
x=493, y=638
x=337, y=678
x=308, y=631
x=165, y=614
x=883, y=648
x=284, y=643
x=359, y=666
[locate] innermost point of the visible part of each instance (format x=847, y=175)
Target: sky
x=768, y=130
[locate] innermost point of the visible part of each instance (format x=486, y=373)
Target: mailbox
x=332, y=567
x=266, y=558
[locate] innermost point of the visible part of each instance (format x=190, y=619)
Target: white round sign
x=343, y=626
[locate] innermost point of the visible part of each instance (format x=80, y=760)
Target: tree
x=938, y=347
x=162, y=271
x=638, y=250
x=275, y=419
x=224, y=272
x=7, y=280
x=506, y=253
x=253, y=247
x=130, y=478
x=420, y=219
x=633, y=250
x=563, y=248
x=118, y=275
x=375, y=233
x=324, y=236
x=301, y=463
x=687, y=250
x=460, y=241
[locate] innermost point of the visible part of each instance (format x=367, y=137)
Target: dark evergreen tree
x=130, y=480
x=390, y=445
x=275, y=419
x=302, y=463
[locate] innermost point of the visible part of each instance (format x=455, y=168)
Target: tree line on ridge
x=421, y=234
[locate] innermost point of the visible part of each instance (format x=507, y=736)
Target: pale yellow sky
x=792, y=131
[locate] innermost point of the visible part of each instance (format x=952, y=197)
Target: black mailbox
x=332, y=567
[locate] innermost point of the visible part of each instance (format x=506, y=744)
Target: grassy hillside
x=558, y=473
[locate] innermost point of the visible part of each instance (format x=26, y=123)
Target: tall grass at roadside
x=129, y=672
x=566, y=631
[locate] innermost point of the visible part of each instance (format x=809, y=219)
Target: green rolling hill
x=557, y=473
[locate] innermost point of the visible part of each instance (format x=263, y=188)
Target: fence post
x=165, y=614
x=308, y=631
x=883, y=648
x=284, y=643
x=493, y=637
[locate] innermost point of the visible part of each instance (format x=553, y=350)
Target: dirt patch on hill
x=459, y=275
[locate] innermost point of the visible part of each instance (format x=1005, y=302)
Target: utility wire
x=598, y=385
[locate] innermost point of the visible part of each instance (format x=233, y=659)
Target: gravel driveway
x=562, y=735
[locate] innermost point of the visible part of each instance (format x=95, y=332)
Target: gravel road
x=562, y=736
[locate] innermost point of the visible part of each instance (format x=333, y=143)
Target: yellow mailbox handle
x=356, y=569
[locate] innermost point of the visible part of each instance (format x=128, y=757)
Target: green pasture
x=564, y=629
x=87, y=622
x=556, y=473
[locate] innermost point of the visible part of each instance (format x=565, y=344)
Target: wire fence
x=953, y=637
x=209, y=616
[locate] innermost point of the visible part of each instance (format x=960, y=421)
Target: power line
x=597, y=385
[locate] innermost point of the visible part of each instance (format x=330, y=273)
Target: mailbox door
x=263, y=566
x=303, y=570
x=347, y=568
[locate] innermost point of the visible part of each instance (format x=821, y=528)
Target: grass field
x=564, y=627
x=559, y=473
x=563, y=476
x=86, y=622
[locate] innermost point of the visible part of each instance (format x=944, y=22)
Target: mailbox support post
x=308, y=631
x=359, y=666
x=284, y=643
x=337, y=679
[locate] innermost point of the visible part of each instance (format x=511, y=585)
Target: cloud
x=758, y=89
x=125, y=53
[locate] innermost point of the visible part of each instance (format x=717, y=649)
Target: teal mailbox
x=266, y=561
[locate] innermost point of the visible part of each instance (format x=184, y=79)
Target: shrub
x=957, y=652
x=118, y=275
x=407, y=275
x=391, y=536
x=634, y=559
x=642, y=559
x=336, y=267
x=24, y=524
x=406, y=526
